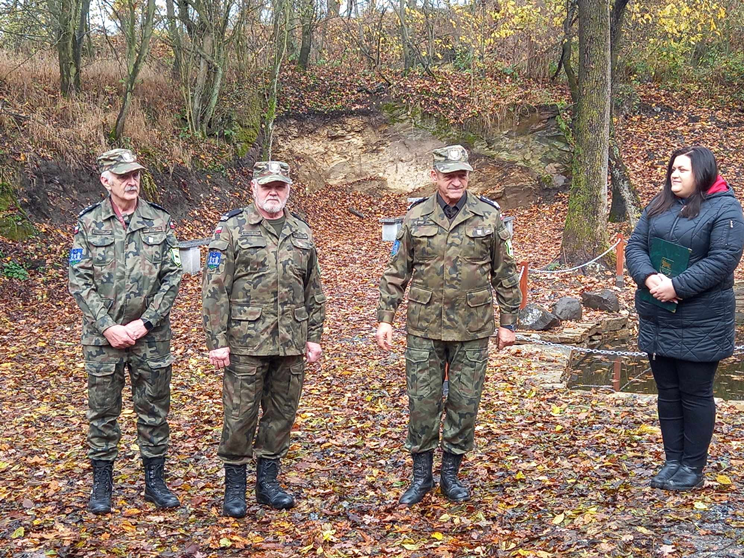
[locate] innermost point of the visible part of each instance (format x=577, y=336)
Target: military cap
x=118, y=161
x=271, y=171
x=451, y=158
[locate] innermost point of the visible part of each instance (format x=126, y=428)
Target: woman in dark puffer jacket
x=696, y=209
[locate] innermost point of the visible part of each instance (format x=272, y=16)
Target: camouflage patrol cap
x=271, y=171
x=451, y=158
x=118, y=161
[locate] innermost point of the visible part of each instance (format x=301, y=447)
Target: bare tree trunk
x=566, y=49
x=281, y=31
x=616, y=33
x=585, y=233
x=80, y=33
x=66, y=15
x=334, y=8
x=404, y=38
x=625, y=200
x=175, y=38
x=137, y=51
x=307, y=21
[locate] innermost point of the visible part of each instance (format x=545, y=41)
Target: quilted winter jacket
x=702, y=328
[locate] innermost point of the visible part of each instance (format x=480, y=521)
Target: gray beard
x=273, y=207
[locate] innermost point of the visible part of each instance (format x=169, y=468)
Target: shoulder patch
x=230, y=214
x=416, y=202
x=158, y=206
x=300, y=217
x=489, y=202
x=88, y=209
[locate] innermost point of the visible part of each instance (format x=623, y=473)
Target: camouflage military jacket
x=118, y=276
x=261, y=294
x=452, y=269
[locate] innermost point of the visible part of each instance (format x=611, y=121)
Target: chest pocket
x=252, y=252
x=102, y=250
x=152, y=245
x=424, y=242
x=478, y=246
x=301, y=248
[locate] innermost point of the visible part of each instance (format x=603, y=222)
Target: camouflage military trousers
x=425, y=366
x=149, y=365
x=275, y=384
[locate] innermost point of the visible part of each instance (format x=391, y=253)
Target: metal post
x=620, y=259
x=523, y=283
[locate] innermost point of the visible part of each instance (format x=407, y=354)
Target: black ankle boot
x=666, y=473
x=155, y=489
x=103, y=485
x=448, y=482
x=268, y=490
x=422, y=482
x=686, y=478
x=234, y=504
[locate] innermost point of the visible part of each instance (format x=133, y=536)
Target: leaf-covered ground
x=554, y=473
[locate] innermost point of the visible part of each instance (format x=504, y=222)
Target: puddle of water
x=634, y=375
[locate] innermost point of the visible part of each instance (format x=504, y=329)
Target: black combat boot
x=268, y=490
x=155, y=489
x=686, y=478
x=423, y=481
x=234, y=504
x=451, y=487
x=103, y=485
x=665, y=473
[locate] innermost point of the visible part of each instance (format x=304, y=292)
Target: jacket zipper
x=674, y=225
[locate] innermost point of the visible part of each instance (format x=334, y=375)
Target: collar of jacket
x=254, y=218
x=431, y=207
x=142, y=214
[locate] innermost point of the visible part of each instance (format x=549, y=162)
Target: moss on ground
x=14, y=223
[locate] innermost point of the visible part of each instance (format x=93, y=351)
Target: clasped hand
x=123, y=336
x=661, y=288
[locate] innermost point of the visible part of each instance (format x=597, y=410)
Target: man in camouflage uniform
x=124, y=272
x=454, y=249
x=263, y=308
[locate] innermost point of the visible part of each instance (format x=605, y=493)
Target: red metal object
x=523, y=283
x=620, y=259
x=616, y=367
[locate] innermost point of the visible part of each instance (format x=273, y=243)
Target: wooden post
x=616, y=367
x=620, y=259
x=523, y=283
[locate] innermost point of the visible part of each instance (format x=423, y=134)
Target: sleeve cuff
x=217, y=342
x=315, y=336
x=640, y=279
x=105, y=322
x=152, y=317
x=508, y=319
x=385, y=316
x=679, y=289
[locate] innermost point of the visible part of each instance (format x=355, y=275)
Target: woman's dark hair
x=704, y=171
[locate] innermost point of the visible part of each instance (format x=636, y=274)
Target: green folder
x=670, y=259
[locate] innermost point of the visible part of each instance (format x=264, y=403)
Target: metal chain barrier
x=550, y=271
x=587, y=350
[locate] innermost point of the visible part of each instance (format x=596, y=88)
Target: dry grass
x=36, y=118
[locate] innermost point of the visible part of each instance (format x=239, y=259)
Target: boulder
x=568, y=309
x=535, y=317
x=604, y=300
